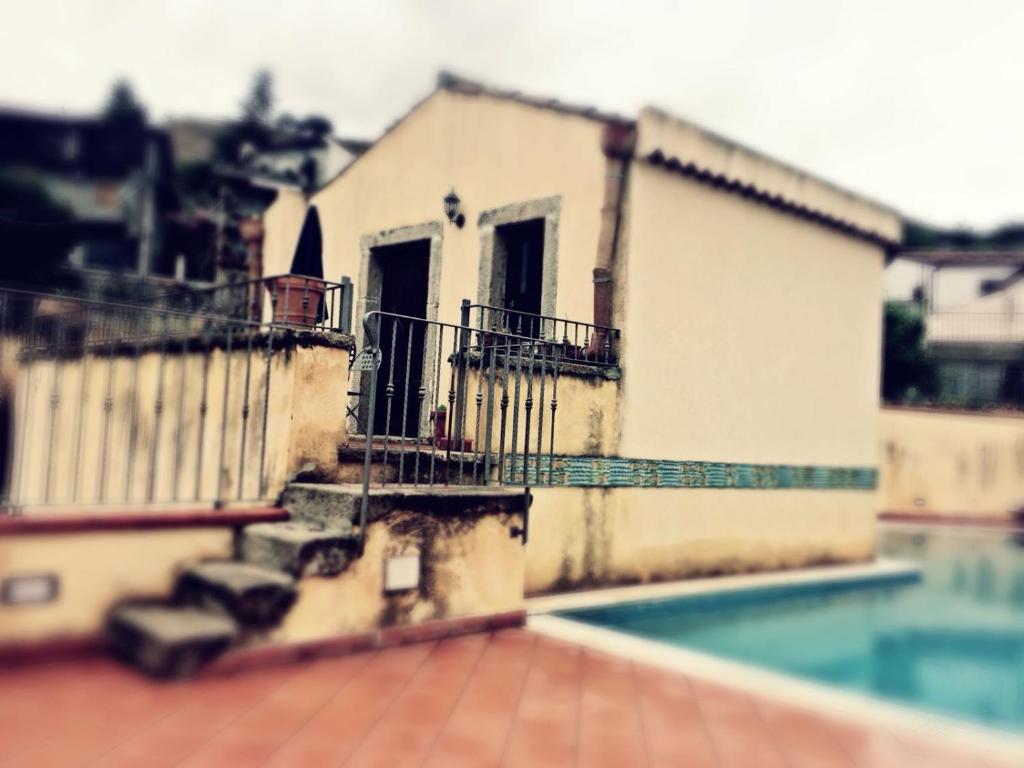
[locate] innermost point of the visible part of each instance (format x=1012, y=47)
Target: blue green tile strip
x=616, y=472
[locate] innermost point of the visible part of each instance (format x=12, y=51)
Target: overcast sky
x=917, y=104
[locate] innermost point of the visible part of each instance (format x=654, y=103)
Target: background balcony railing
x=974, y=327
x=295, y=300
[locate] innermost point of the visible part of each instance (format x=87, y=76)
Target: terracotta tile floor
x=512, y=698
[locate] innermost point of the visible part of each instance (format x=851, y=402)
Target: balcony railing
x=577, y=342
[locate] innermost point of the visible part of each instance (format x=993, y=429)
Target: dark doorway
x=520, y=250
x=403, y=271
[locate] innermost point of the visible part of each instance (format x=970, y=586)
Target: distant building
x=117, y=179
x=294, y=160
x=973, y=305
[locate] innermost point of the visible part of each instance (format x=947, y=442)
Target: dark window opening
x=519, y=265
x=117, y=255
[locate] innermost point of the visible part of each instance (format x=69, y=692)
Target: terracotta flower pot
x=440, y=425
x=296, y=299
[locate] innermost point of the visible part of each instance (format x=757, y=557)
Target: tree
x=258, y=107
x=123, y=106
x=907, y=370
x=917, y=235
x=254, y=126
x=316, y=126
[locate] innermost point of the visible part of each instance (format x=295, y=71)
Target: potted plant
x=296, y=299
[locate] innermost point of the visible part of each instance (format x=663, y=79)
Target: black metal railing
x=581, y=343
x=294, y=300
x=450, y=404
x=104, y=403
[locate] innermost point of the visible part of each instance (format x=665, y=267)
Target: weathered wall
x=470, y=566
x=582, y=538
x=950, y=463
x=586, y=413
x=175, y=455
x=96, y=570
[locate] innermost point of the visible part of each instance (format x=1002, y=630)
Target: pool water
x=949, y=641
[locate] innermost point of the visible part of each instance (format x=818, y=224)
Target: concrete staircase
x=220, y=605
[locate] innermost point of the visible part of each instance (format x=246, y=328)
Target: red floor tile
x=211, y=705
x=476, y=732
x=546, y=726
x=740, y=737
x=511, y=698
x=611, y=727
x=803, y=738
x=406, y=731
x=673, y=725
x=265, y=727
x=336, y=731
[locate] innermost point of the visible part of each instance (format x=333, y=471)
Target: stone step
x=166, y=641
x=323, y=503
x=255, y=597
x=415, y=464
x=300, y=548
x=334, y=504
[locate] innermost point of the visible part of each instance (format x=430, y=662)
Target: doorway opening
x=402, y=272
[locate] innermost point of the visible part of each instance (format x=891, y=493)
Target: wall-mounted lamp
x=451, y=209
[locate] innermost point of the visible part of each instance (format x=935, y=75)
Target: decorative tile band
x=616, y=472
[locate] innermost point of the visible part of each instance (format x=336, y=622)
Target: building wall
x=584, y=538
x=493, y=153
x=950, y=463
x=586, y=413
x=751, y=335
x=96, y=570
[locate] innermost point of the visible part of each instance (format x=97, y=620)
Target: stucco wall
x=581, y=538
x=949, y=463
x=95, y=570
x=493, y=153
x=749, y=334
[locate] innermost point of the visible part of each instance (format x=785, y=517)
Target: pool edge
x=880, y=569
x=838, y=703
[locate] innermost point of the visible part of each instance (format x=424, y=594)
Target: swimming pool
x=948, y=640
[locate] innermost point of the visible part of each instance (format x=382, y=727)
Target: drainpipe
x=618, y=140
x=252, y=231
